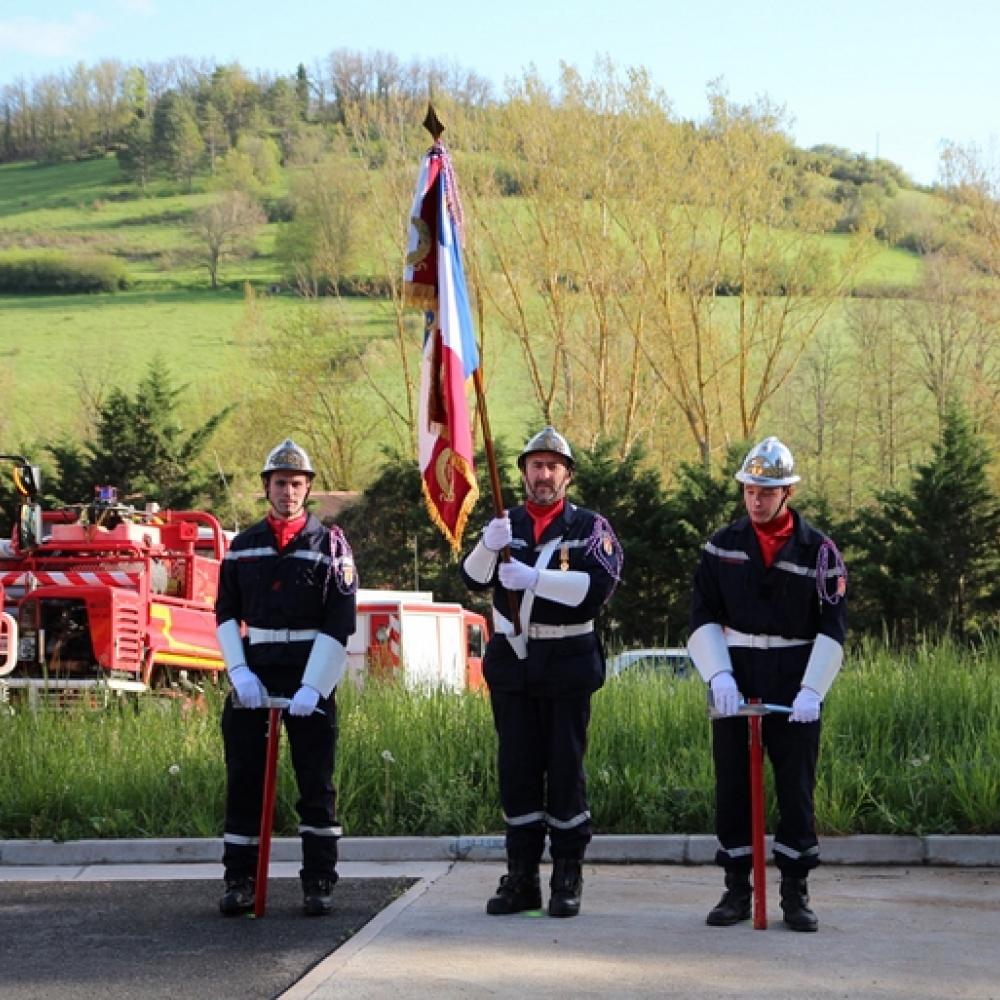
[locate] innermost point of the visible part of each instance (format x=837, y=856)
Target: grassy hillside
x=59, y=349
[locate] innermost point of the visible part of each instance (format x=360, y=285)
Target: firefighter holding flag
x=565, y=563
x=551, y=565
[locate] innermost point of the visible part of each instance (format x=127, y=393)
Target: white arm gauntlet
x=326, y=664
x=709, y=651
x=231, y=644
x=480, y=563
x=569, y=588
x=824, y=664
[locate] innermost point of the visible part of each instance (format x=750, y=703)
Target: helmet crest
x=288, y=457
x=547, y=439
x=768, y=463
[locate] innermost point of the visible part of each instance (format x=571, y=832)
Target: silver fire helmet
x=288, y=457
x=547, y=439
x=768, y=463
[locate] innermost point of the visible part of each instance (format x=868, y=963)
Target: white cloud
x=34, y=36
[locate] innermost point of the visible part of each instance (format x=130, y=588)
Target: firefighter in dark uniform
x=291, y=582
x=564, y=564
x=768, y=621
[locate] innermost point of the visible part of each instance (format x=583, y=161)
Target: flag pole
x=433, y=125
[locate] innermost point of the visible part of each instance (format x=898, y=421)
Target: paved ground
x=900, y=932
x=159, y=938
x=911, y=934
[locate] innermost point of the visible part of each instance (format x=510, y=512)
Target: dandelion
x=174, y=769
x=388, y=757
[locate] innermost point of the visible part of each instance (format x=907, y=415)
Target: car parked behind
x=673, y=660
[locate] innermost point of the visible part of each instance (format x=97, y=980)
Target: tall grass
x=911, y=745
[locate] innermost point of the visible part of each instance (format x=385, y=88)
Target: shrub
x=55, y=273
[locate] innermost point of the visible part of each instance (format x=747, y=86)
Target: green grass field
x=59, y=349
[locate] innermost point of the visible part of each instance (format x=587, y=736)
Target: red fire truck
x=102, y=599
x=106, y=598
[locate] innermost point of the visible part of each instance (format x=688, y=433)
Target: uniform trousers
x=543, y=786
x=312, y=741
x=793, y=749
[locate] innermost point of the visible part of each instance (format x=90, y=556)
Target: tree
x=135, y=155
x=251, y=166
x=213, y=131
x=650, y=606
x=973, y=184
x=302, y=91
x=656, y=274
x=141, y=447
x=313, y=390
x=395, y=543
x=317, y=247
x=226, y=229
x=177, y=141
x=286, y=111
x=928, y=560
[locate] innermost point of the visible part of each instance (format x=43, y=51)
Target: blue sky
x=884, y=77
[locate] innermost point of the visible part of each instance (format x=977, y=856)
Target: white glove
x=247, y=685
x=305, y=701
x=805, y=708
x=516, y=575
x=725, y=694
x=497, y=534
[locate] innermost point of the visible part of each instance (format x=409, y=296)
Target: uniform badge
x=347, y=571
x=564, y=557
x=607, y=544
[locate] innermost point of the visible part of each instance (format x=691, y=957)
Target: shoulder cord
x=828, y=550
x=341, y=567
x=602, y=535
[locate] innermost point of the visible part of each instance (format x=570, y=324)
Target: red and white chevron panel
x=111, y=578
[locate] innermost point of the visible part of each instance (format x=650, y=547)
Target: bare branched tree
x=226, y=229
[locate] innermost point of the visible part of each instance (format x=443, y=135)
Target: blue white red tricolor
x=434, y=279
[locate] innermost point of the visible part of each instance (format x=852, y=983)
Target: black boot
x=567, y=887
x=518, y=890
x=316, y=895
x=238, y=897
x=735, y=904
x=795, y=904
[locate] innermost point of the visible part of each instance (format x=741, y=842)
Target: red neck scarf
x=773, y=535
x=284, y=531
x=543, y=515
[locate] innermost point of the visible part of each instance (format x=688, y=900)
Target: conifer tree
x=929, y=559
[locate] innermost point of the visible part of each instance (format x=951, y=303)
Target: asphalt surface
x=166, y=939
x=895, y=924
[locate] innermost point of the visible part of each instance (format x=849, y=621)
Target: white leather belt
x=256, y=635
x=734, y=638
x=559, y=631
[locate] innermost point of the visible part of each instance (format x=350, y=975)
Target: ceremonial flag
x=435, y=281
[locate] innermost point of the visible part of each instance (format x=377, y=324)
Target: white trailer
x=430, y=644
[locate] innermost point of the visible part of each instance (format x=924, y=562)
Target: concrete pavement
x=918, y=934
x=914, y=918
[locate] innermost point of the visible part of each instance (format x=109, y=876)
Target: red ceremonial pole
x=267, y=810
x=757, y=823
